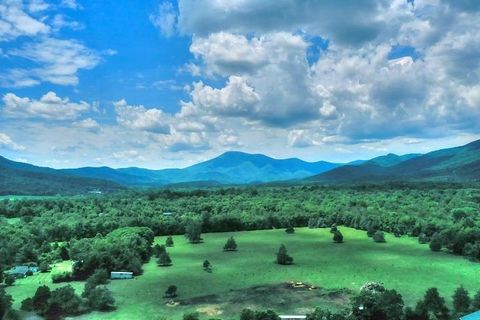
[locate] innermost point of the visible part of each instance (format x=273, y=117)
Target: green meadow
x=250, y=278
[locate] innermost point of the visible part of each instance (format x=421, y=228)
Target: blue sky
x=167, y=84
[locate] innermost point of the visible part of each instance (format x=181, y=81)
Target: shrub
x=62, y=277
x=379, y=236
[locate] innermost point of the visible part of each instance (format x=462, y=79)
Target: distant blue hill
x=231, y=167
x=453, y=164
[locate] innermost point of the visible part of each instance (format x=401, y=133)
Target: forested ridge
x=449, y=213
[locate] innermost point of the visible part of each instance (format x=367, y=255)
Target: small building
x=472, y=316
x=121, y=275
x=293, y=317
x=167, y=214
x=22, y=271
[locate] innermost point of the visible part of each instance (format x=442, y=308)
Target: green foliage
x=9, y=280
x=248, y=314
x=433, y=304
x=207, y=266
x=164, y=259
x=65, y=276
x=436, y=242
x=100, y=276
x=379, y=236
x=193, y=231
x=378, y=304
x=461, y=301
x=5, y=302
x=320, y=314
x=169, y=242
x=476, y=301
x=282, y=256
x=230, y=245
x=337, y=237
x=191, y=316
x=122, y=249
x=101, y=299
x=171, y=291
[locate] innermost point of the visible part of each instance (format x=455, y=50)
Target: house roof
x=20, y=269
x=472, y=316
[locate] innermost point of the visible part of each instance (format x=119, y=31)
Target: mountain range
x=459, y=164
x=237, y=168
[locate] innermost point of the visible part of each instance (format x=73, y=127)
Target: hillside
x=18, y=178
x=452, y=164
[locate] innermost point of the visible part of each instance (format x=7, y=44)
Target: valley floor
x=250, y=278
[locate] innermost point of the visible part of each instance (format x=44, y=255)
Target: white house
x=121, y=275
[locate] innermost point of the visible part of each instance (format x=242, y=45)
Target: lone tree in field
x=193, y=231
x=231, y=245
x=379, y=236
x=171, y=292
x=164, y=260
x=461, y=301
x=207, y=266
x=169, y=242
x=337, y=237
x=282, y=256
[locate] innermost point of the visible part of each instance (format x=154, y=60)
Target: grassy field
x=250, y=278
x=25, y=288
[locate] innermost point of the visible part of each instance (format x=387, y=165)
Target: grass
x=401, y=263
x=26, y=287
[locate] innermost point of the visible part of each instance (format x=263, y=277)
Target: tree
x=231, y=245
x=40, y=299
x=289, y=228
x=169, y=242
x=333, y=228
x=378, y=305
x=44, y=266
x=371, y=229
x=423, y=238
x=434, y=304
x=193, y=231
x=282, y=256
x=100, y=276
x=171, y=291
x=66, y=298
x=436, y=242
x=101, y=299
x=207, y=266
x=164, y=260
x=5, y=302
x=461, y=301
x=1, y=274
x=319, y=314
x=247, y=314
x=9, y=280
x=337, y=237
x=158, y=249
x=63, y=253
x=379, y=236
x=191, y=316
x=476, y=301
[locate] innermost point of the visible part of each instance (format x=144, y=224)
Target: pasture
x=250, y=278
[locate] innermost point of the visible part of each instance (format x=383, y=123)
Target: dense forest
x=445, y=214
